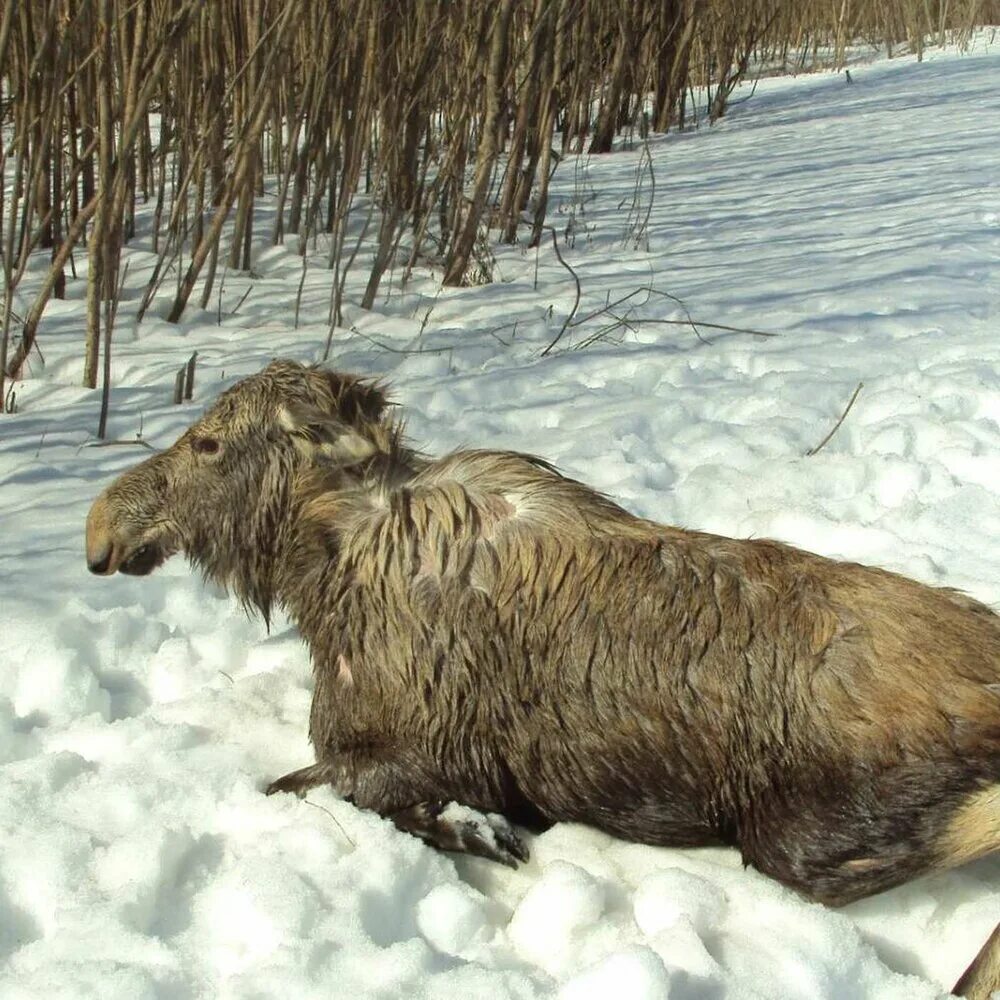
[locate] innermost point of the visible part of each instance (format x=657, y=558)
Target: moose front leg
x=455, y=827
x=405, y=787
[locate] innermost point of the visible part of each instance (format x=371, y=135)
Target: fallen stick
x=812, y=451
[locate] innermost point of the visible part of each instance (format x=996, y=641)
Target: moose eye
x=205, y=446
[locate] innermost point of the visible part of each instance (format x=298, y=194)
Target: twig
x=504, y=326
x=111, y=444
x=426, y=319
x=637, y=227
x=676, y=322
x=690, y=321
x=576, y=303
x=610, y=305
x=243, y=299
x=298, y=296
x=339, y=825
x=634, y=323
x=812, y=451
x=222, y=285
x=427, y=315
x=625, y=321
x=644, y=228
x=401, y=350
x=110, y=315
x=709, y=326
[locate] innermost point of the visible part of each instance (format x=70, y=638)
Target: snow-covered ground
x=139, y=719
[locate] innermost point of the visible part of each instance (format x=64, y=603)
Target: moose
x=496, y=644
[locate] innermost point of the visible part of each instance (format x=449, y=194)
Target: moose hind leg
x=872, y=830
x=454, y=827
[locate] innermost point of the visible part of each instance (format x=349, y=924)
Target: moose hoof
x=455, y=827
x=486, y=835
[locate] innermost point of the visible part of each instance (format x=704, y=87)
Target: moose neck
x=247, y=547
x=308, y=538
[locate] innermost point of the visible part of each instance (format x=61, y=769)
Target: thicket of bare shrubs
x=433, y=121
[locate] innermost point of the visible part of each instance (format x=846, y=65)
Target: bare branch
x=836, y=426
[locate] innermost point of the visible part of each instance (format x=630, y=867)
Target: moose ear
x=323, y=437
x=356, y=400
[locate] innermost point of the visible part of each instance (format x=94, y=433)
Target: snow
x=140, y=719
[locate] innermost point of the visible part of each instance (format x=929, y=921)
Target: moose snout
x=100, y=541
x=100, y=561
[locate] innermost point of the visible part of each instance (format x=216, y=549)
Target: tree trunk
x=488, y=147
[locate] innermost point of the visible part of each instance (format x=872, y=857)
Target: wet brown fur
x=487, y=631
